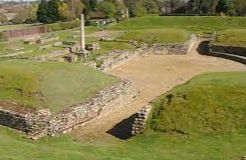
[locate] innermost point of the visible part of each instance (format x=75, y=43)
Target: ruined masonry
x=139, y=123
x=42, y=122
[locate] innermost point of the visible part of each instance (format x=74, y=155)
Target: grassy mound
x=208, y=104
x=151, y=36
x=186, y=22
x=232, y=37
x=48, y=84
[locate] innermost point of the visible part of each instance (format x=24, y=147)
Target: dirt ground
x=154, y=75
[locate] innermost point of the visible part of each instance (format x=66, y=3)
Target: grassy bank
x=231, y=37
x=193, y=23
x=49, y=84
x=210, y=110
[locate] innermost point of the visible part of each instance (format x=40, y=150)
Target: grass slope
x=209, y=104
x=49, y=84
x=224, y=93
x=231, y=37
x=185, y=22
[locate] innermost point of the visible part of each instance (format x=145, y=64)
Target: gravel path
x=154, y=75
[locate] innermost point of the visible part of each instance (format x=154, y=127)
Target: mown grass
x=221, y=106
x=193, y=23
x=231, y=37
x=17, y=26
x=51, y=85
x=152, y=36
x=155, y=146
x=209, y=104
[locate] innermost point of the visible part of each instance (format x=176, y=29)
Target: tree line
x=50, y=11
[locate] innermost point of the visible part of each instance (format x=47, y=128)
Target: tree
x=240, y=6
x=150, y=6
x=53, y=14
x=48, y=11
x=222, y=6
x=25, y=14
x=3, y=18
x=108, y=8
x=65, y=12
x=131, y=5
x=42, y=12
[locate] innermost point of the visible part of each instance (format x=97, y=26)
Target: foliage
x=25, y=14
x=65, y=12
x=3, y=18
x=222, y=6
x=108, y=8
x=53, y=14
x=42, y=12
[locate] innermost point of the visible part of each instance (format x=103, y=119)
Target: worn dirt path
x=154, y=75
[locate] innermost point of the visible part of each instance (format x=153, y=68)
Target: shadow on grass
x=123, y=129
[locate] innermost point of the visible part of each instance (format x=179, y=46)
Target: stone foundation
x=237, y=54
x=40, y=123
x=240, y=51
x=116, y=58
x=138, y=125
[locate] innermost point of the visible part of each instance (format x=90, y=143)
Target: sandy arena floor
x=154, y=75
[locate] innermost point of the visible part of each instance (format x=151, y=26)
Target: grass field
x=148, y=29
x=192, y=23
x=17, y=26
x=152, y=36
x=49, y=84
x=231, y=37
x=204, y=120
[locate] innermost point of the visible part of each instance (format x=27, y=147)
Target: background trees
x=62, y=10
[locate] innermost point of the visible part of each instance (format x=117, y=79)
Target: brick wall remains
x=24, y=32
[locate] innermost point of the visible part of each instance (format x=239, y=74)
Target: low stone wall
x=138, y=125
x=40, y=123
x=160, y=49
x=240, y=59
x=116, y=58
x=240, y=51
x=106, y=100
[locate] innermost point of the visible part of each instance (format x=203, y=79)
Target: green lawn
x=53, y=85
x=212, y=114
x=152, y=36
x=209, y=104
x=231, y=37
x=17, y=26
x=193, y=23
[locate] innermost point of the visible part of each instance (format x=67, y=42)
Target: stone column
x=82, y=33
